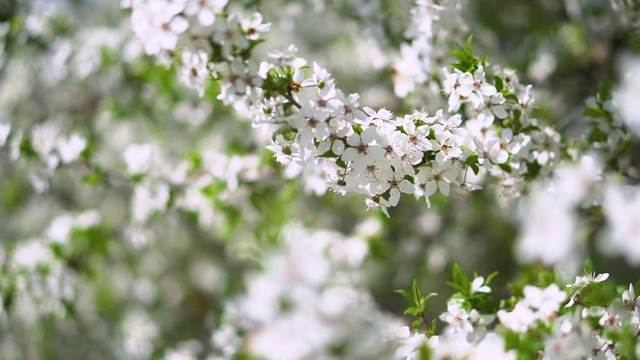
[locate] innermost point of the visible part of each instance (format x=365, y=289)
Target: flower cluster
x=374, y=153
x=197, y=31
x=434, y=26
x=47, y=145
x=538, y=323
x=309, y=298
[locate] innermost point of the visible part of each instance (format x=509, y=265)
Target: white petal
x=406, y=186
x=354, y=140
x=369, y=134
x=430, y=188
x=179, y=25
x=444, y=187
x=349, y=154
x=499, y=111
x=375, y=152
x=394, y=197
x=338, y=147
x=206, y=17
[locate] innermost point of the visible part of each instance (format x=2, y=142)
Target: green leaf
x=328, y=154
x=604, y=92
x=490, y=277
x=94, y=178
x=472, y=162
x=412, y=311
x=594, y=112
x=530, y=128
x=511, y=97
x=533, y=170
x=467, y=61
x=546, y=278
x=405, y=294
x=461, y=280
x=26, y=147
x=195, y=161
x=416, y=293
x=505, y=167
x=497, y=82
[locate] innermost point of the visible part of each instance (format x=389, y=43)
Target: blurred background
x=121, y=284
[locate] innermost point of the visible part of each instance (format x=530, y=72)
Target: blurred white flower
x=627, y=95
x=138, y=158
x=71, y=148
x=621, y=208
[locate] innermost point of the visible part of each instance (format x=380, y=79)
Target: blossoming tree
x=243, y=179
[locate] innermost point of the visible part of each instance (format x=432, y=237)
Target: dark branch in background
x=8, y=14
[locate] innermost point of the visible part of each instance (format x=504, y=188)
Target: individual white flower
x=398, y=184
x=382, y=118
x=478, y=286
x=361, y=152
x=447, y=147
x=320, y=79
x=491, y=149
x=287, y=152
x=588, y=279
x=377, y=176
x=457, y=317
x=253, y=26
x=193, y=71
x=335, y=139
x=312, y=124
x=71, y=148
x=493, y=105
x=416, y=136
x=546, y=301
x=473, y=87
x=350, y=107
x=446, y=127
x=431, y=179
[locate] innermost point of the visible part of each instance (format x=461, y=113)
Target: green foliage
x=467, y=61
x=460, y=281
x=472, y=162
x=418, y=306
x=528, y=345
